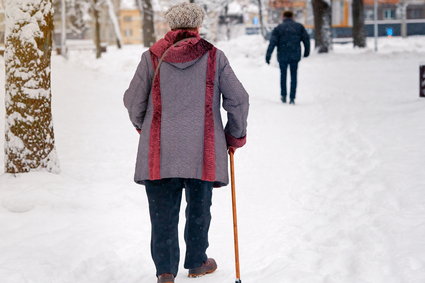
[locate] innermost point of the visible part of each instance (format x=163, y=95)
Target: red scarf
x=185, y=51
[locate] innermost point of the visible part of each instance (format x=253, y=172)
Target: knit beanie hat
x=185, y=15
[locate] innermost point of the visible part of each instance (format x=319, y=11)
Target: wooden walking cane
x=235, y=218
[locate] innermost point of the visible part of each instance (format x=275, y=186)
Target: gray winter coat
x=178, y=115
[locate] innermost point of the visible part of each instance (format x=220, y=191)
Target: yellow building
x=303, y=11
x=131, y=26
x=161, y=26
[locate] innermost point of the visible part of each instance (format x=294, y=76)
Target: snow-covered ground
x=331, y=190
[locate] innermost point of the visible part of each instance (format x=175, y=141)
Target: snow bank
x=387, y=45
x=253, y=46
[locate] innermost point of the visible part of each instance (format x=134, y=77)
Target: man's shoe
x=283, y=98
x=166, y=278
x=206, y=268
x=292, y=101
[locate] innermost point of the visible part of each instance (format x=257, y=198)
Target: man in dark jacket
x=288, y=37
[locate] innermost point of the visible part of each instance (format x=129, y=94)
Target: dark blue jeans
x=293, y=67
x=164, y=198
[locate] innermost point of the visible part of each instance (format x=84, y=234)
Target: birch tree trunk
x=359, y=36
x=30, y=142
x=115, y=24
x=322, y=25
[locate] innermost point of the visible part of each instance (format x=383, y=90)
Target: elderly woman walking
x=174, y=103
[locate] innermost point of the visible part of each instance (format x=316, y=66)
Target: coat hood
x=185, y=53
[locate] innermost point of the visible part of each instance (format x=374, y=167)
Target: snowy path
x=329, y=191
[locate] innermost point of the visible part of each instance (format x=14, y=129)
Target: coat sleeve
x=274, y=39
x=136, y=97
x=306, y=41
x=235, y=102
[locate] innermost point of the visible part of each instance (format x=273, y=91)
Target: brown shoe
x=166, y=278
x=206, y=268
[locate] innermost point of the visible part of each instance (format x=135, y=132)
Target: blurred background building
x=234, y=18
x=130, y=19
x=390, y=13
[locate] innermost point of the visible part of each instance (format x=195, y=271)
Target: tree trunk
x=227, y=21
x=148, y=23
x=96, y=15
x=322, y=25
x=403, y=9
x=30, y=142
x=260, y=14
x=115, y=24
x=63, y=50
x=359, y=35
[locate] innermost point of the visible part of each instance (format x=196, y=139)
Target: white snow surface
x=331, y=190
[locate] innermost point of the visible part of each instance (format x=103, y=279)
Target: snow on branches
x=213, y=10
x=79, y=15
x=29, y=129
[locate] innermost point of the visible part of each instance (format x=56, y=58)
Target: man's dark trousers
x=164, y=198
x=293, y=67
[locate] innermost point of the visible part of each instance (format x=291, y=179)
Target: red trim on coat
x=155, y=134
x=208, y=172
x=235, y=142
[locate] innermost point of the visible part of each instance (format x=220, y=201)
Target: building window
x=389, y=14
x=369, y=15
x=414, y=13
x=128, y=19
